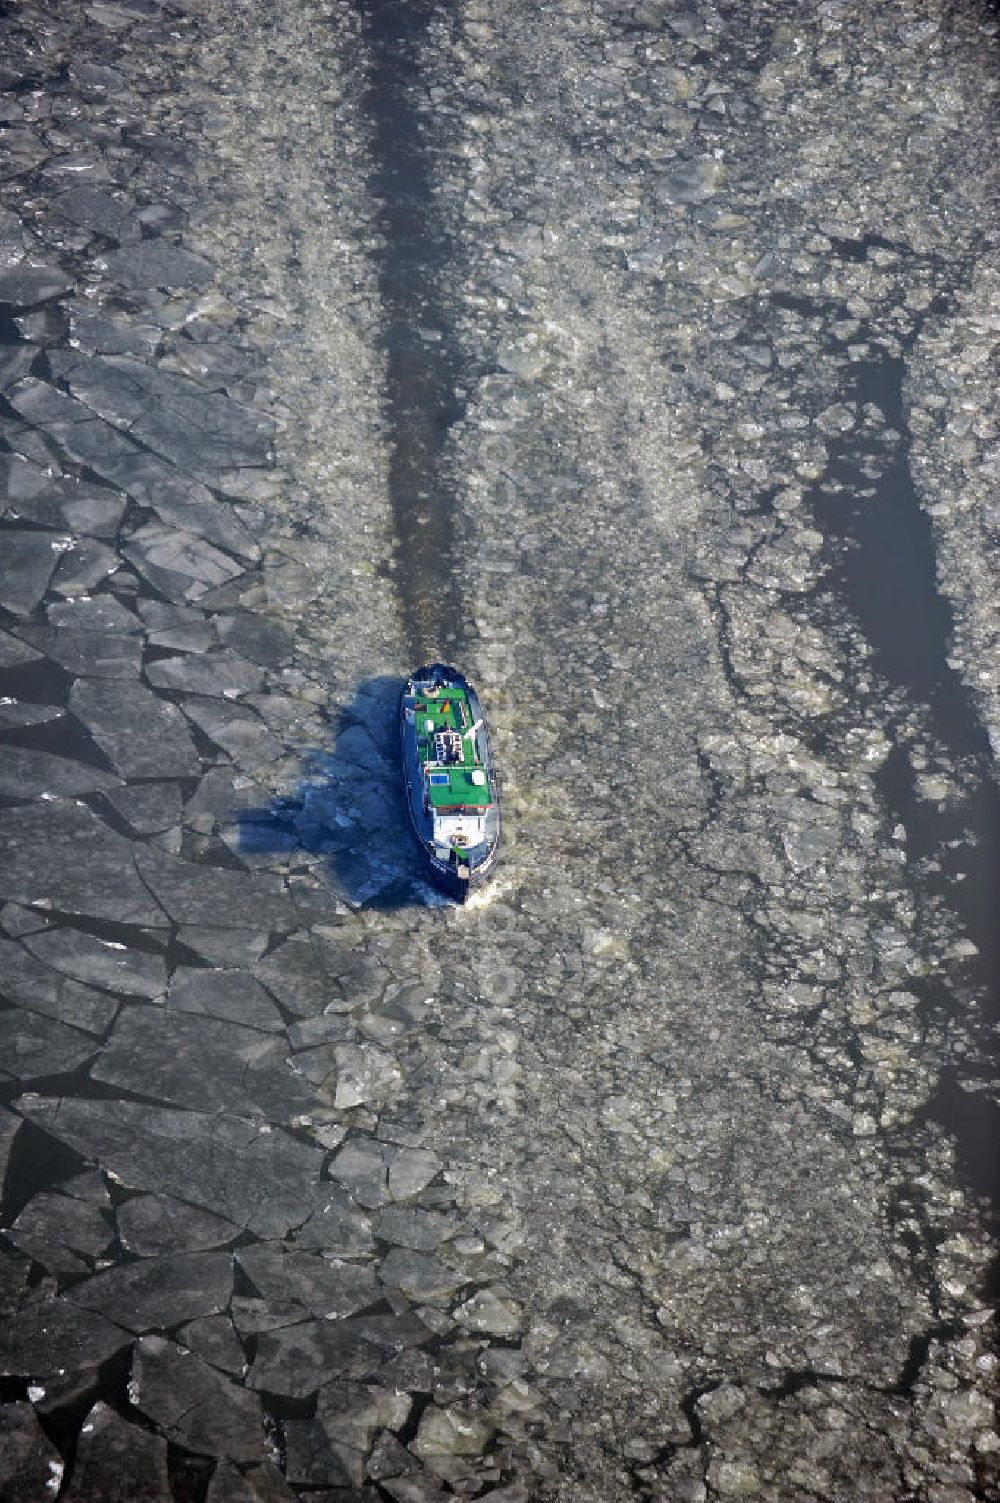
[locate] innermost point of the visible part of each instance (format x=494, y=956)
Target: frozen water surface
x=642, y=360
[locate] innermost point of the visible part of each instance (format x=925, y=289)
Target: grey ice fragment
x=421, y=1277
x=377, y=1173
x=97, y=212
x=93, y=613
x=159, y=1291
x=154, y=263
x=14, y=717
x=100, y=963
x=179, y=564
x=97, y=78
x=62, y=854
x=149, y=808
x=231, y=995
x=14, y=652
x=238, y=731
x=406, y=1226
x=83, y=566
x=213, y=896
x=365, y=1073
x=85, y=165
x=297, y=1360
x=194, y=1405
x=117, y=1460
x=39, y=988
x=313, y=1458
x=256, y=1178
x=337, y=1227
x=95, y=515
x=351, y=1415
x=14, y=363
x=30, y=1466
x=28, y=774
x=93, y=654
x=257, y=1484
x=807, y=844
x=214, y=1339
x=33, y=1046
x=196, y=1061
x=224, y=947
x=202, y=432
x=193, y=510
x=447, y=1433
x=95, y=334
x=141, y=734
x=390, y=1459
x=10, y=1126
x=493, y=1312
x=327, y=1288
x=194, y=638
x=257, y=637
x=302, y=975
x=155, y=1225
x=26, y=286
x=27, y=562
x=221, y=674
x=694, y=182
x=20, y=151
x=15, y=921
x=62, y=1233
x=52, y=1334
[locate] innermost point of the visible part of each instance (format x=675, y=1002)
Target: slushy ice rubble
x=664, y=1170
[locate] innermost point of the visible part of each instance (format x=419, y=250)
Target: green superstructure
x=455, y=777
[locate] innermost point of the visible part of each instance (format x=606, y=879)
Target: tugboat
x=450, y=780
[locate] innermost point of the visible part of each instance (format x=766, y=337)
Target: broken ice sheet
x=30, y=1466
x=93, y=613
x=377, y=1173
x=296, y=1360
x=233, y=996
x=100, y=962
x=26, y=286
x=142, y=734
x=33, y=1046
x=94, y=654
x=178, y=563
x=193, y=1404
x=51, y=1334
x=323, y=1287
x=27, y=562
x=64, y=1235
x=218, y=674
x=110, y=1447
x=202, y=432
x=189, y=1059
x=14, y=652
x=29, y=774
x=148, y=807
x=194, y=894
x=159, y=1292
x=155, y=263
x=40, y=988
x=242, y=1170
x=214, y=1339
x=83, y=566
x=154, y=1225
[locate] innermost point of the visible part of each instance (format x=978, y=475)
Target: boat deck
x=451, y=780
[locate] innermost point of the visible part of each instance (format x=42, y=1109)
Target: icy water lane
x=642, y=360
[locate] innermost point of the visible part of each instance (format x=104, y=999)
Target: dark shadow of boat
x=349, y=809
